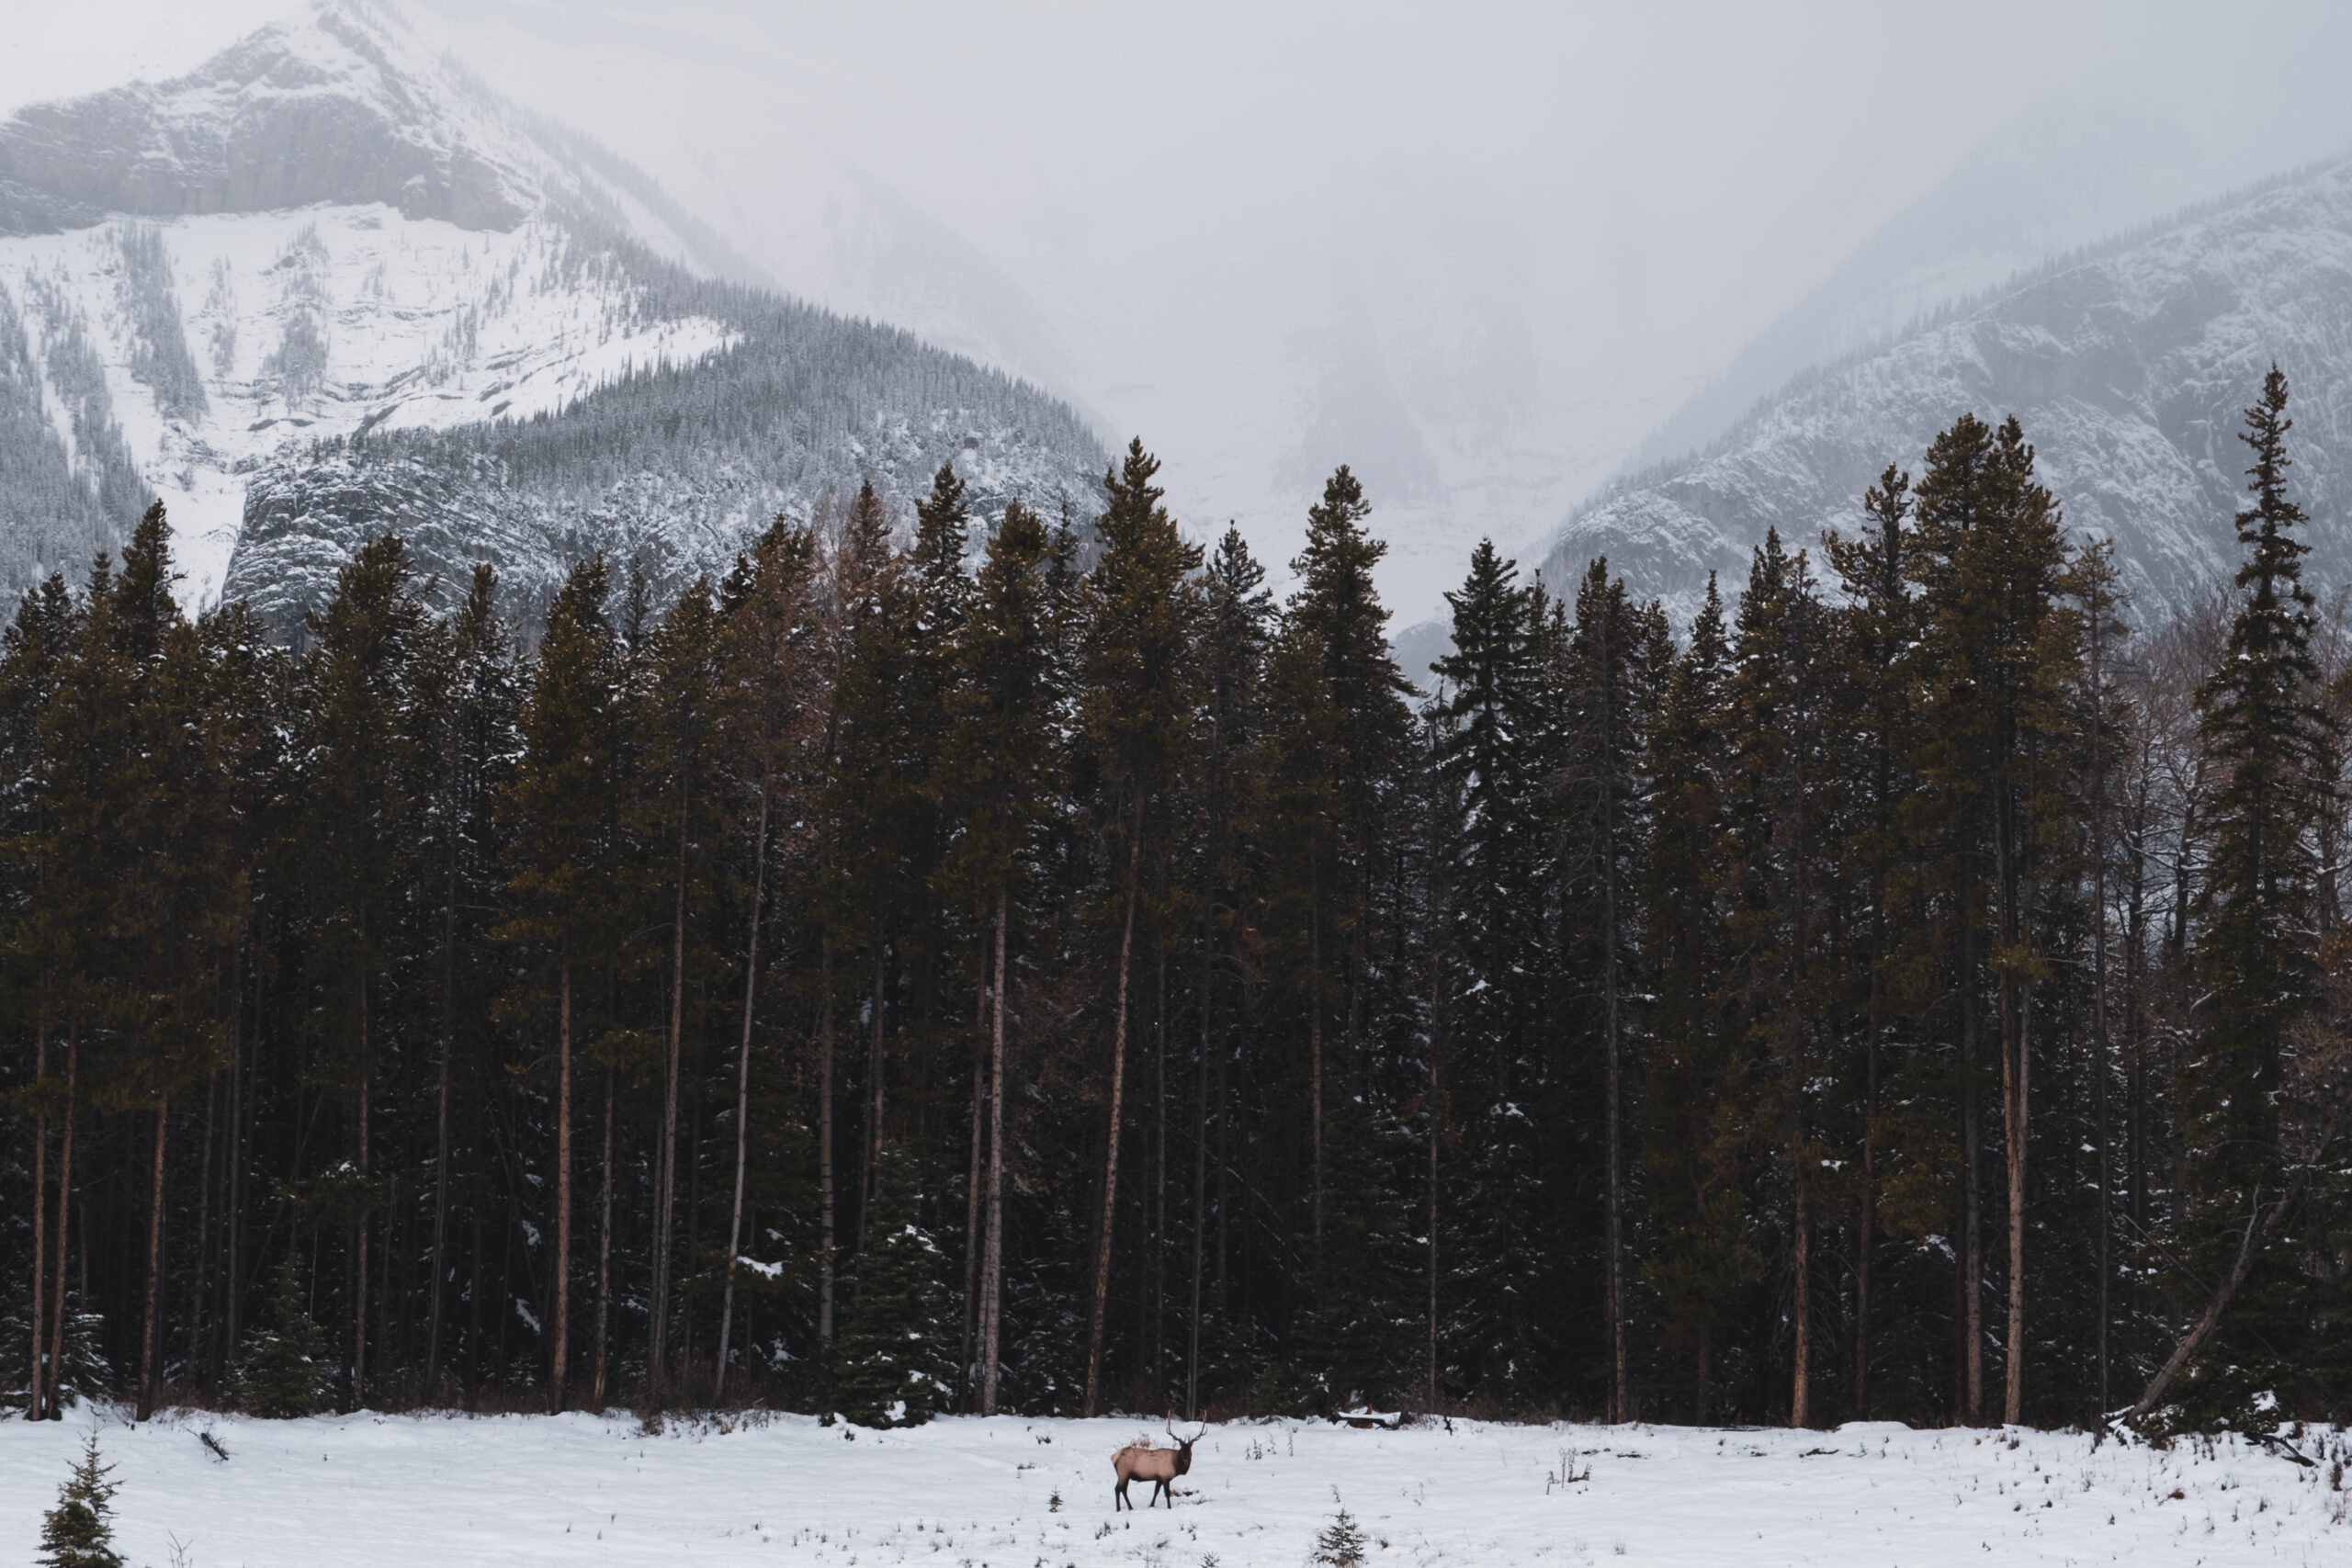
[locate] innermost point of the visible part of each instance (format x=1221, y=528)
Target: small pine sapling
x=1342, y=1543
x=79, y=1532
x=285, y=1368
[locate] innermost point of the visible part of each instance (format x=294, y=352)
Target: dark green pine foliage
x=1610, y=663
x=469, y=693
x=2269, y=739
x=286, y=1370
x=358, y=831
x=79, y=1532
x=1700, y=1247
x=1781, y=980
x=1344, y=803
x=1492, y=751
x=560, y=814
x=1998, y=636
x=1228, y=785
x=1876, y=717
x=897, y=1350
x=1139, y=670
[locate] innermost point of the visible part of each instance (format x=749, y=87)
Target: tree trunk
x=559, y=1359
x=1437, y=1136
x=992, y=1237
x=1159, y=1180
x=2258, y=1228
x=232, y=1267
x=203, y=1227
x=1101, y=1290
x=874, y=1091
x=826, y=1263
x=33, y=1408
x=2020, y=1089
x=1971, y=1283
x=1200, y=1150
x=967, y=1388
x=1314, y=1045
x=359, y=1239
x=153, y=1329
x=2099, y=1047
x=743, y=1098
x=1699, y=1372
x=441, y=1129
x=604, y=1253
x=1620, y=1395
x=1801, y=1396
x=665, y=1174
x=64, y=1212
x=1868, y=1240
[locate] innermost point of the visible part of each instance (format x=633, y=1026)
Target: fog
x=1488, y=255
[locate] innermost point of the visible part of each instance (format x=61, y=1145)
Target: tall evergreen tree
x=1003, y=759
x=1342, y=762
x=894, y=1364
x=360, y=827
x=1996, y=640
x=560, y=864
x=2270, y=739
x=1609, y=664
x=1701, y=1248
x=1493, y=751
x=1139, y=673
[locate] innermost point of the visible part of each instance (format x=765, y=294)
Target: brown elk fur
x=1141, y=1461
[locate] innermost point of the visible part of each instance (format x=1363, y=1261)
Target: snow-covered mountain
x=327, y=284
x=2128, y=365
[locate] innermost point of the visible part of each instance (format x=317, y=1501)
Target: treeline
x=1040, y=972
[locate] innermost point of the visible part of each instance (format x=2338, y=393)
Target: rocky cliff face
x=326, y=285
x=2128, y=365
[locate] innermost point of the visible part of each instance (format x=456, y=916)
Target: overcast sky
x=1480, y=250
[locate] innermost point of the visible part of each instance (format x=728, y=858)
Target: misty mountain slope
x=2050, y=183
x=254, y=290
x=2129, y=370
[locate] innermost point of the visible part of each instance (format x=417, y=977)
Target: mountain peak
x=342, y=105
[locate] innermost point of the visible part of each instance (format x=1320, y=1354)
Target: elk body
x=1141, y=1461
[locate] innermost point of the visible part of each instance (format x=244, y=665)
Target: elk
x=1141, y=1461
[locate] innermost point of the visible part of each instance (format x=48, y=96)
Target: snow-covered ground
x=369, y=1492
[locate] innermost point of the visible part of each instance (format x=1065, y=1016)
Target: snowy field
x=373, y=1491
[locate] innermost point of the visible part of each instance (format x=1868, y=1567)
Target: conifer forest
x=1021, y=964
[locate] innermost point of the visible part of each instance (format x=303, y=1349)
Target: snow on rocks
x=368, y=1490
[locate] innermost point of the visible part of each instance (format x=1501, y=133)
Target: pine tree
x=1340, y=1543
x=561, y=813
x=1609, y=661
x=287, y=1368
x=1492, y=753
x=1701, y=1248
x=1137, y=654
x=2271, y=743
x=1783, y=979
x=1343, y=757
x=897, y=1359
x=469, y=692
x=1876, y=717
x=1997, y=642
x=359, y=830
x=999, y=782
x=79, y=1532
